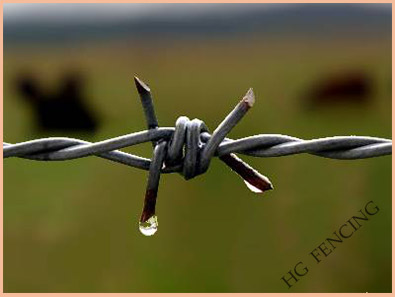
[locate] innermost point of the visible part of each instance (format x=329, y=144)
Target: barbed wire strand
x=189, y=147
x=262, y=145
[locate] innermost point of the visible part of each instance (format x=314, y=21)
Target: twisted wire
x=262, y=145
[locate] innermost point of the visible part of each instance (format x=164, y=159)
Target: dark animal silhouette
x=63, y=110
x=351, y=88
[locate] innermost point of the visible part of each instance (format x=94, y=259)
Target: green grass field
x=72, y=226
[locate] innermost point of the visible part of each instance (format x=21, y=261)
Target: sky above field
x=19, y=12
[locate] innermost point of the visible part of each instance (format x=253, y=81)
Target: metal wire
x=189, y=147
x=262, y=145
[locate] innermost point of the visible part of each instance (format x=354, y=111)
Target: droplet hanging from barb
x=150, y=226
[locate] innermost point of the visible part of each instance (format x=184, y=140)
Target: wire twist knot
x=185, y=148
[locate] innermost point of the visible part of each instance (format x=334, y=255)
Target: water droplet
x=150, y=226
x=252, y=188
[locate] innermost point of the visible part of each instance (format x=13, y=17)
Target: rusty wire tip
x=254, y=180
x=141, y=86
x=261, y=181
x=249, y=97
x=267, y=184
x=151, y=193
x=149, y=205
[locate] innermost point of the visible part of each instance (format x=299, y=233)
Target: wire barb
x=189, y=147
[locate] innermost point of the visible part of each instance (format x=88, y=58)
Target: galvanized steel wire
x=262, y=145
x=189, y=147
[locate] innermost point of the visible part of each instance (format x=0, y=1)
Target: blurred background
x=317, y=70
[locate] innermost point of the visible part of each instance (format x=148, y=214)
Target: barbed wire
x=262, y=145
x=189, y=147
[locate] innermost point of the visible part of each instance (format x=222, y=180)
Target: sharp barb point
x=249, y=97
x=141, y=86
